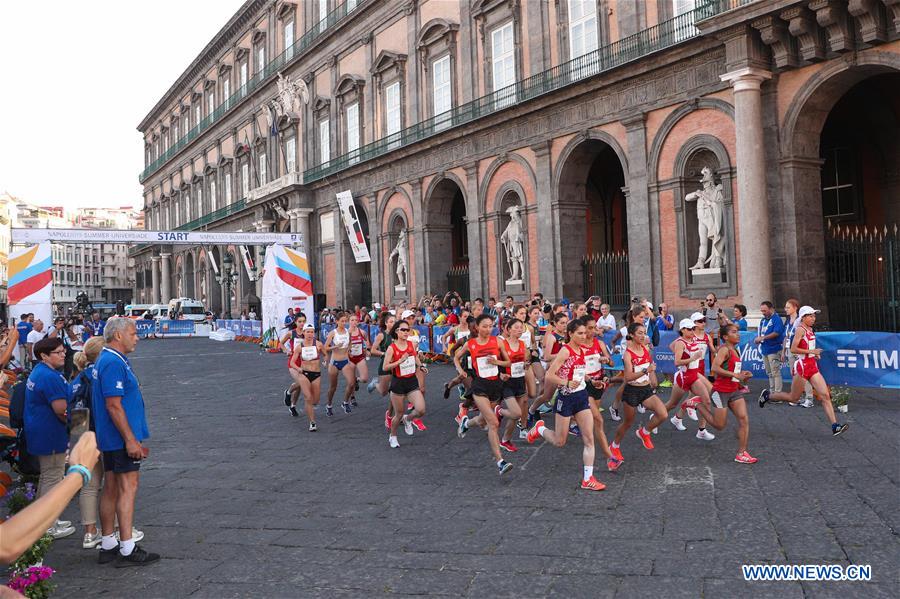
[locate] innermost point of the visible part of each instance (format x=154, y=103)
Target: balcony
x=254, y=83
x=273, y=188
x=628, y=49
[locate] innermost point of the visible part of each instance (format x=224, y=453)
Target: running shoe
x=533, y=433
x=676, y=422
x=613, y=463
x=532, y=418
x=446, y=390
x=666, y=384
x=837, y=429
x=523, y=434
x=763, y=398
x=614, y=413
x=745, y=458
x=353, y=401
x=644, y=437
x=287, y=397
x=346, y=406
x=508, y=446
x=329, y=411
x=420, y=426
x=294, y=411
x=592, y=484
x=498, y=414
x=407, y=426
x=394, y=443
x=806, y=403
x=387, y=419
x=409, y=407
x=617, y=453
x=545, y=408
x=463, y=427
x=689, y=406
x=641, y=409
x=574, y=430
x=692, y=414
x=461, y=389
x=503, y=466
x=371, y=386
x=705, y=435
x=312, y=427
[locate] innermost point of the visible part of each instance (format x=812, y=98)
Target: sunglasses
x=403, y=330
x=701, y=320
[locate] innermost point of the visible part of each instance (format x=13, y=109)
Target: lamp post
x=227, y=279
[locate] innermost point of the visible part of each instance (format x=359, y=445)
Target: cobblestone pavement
x=242, y=501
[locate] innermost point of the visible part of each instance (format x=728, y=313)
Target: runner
x=727, y=395
x=640, y=381
x=515, y=388
x=337, y=345
x=687, y=352
x=358, y=354
x=289, y=342
x=488, y=355
x=453, y=338
x=402, y=359
x=410, y=317
x=705, y=344
x=552, y=343
x=383, y=379
x=596, y=355
x=620, y=341
x=567, y=372
x=806, y=368
x=306, y=370
x=790, y=308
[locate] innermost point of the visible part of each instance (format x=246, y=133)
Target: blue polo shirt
x=96, y=328
x=665, y=323
x=45, y=432
x=113, y=377
x=774, y=324
x=24, y=328
x=288, y=319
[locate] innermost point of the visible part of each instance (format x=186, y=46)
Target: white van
x=137, y=311
x=191, y=308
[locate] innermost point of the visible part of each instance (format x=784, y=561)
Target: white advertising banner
x=353, y=226
x=286, y=284
x=156, y=237
x=31, y=283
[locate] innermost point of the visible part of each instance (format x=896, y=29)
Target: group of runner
x=560, y=364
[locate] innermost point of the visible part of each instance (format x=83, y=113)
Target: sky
x=78, y=77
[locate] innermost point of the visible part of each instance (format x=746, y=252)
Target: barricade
x=145, y=328
x=174, y=328
x=244, y=330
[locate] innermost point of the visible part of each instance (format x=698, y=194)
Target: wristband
x=83, y=471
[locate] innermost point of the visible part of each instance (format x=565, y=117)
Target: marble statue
x=401, y=252
x=513, y=240
x=710, y=220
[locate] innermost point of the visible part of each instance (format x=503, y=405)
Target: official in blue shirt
x=121, y=426
x=770, y=338
x=24, y=327
x=95, y=325
x=46, y=398
x=289, y=318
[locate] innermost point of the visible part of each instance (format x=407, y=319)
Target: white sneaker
x=59, y=532
x=676, y=422
x=63, y=524
x=407, y=426
x=655, y=431
x=806, y=403
x=614, y=414
x=641, y=409
x=136, y=535
x=394, y=442
x=692, y=413
x=523, y=434
x=705, y=435
x=91, y=540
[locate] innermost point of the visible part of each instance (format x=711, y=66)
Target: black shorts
x=571, y=404
x=117, y=461
x=514, y=387
x=490, y=388
x=635, y=396
x=594, y=391
x=311, y=376
x=402, y=386
x=381, y=371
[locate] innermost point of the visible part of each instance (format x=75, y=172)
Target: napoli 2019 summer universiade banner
x=31, y=282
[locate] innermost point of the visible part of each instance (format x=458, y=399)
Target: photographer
x=711, y=310
x=739, y=313
x=73, y=340
x=665, y=321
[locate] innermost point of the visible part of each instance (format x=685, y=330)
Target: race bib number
x=341, y=340
x=517, y=370
x=693, y=364
x=356, y=349
x=811, y=343
x=408, y=366
x=737, y=370
x=642, y=368
x=462, y=336
x=578, y=374
x=485, y=369
x=592, y=363
x=308, y=353
x=526, y=338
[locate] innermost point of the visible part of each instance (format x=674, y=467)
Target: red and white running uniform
x=640, y=364
x=592, y=354
x=573, y=369
x=516, y=359
x=806, y=364
x=480, y=353
x=729, y=384
x=407, y=357
x=688, y=374
x=357, y=351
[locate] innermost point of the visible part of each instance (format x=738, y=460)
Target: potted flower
x=840, y=398
x=34, y=582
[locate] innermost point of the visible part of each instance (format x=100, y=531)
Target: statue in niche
x=513, y=240
x=710, y=222
x=400, y=252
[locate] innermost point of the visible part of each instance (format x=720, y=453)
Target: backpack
x=81, y=391
x=17, y=406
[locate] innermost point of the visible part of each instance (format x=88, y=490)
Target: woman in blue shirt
x=46, y=398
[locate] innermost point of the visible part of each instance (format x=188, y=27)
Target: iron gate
x=458, y=280
x=606, y=275
x=365, y=291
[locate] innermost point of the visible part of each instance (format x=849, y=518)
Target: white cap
x=377, y=306
x=806, y=311
x=406, y=314
x=649, y=306
x=686, y=323
x=309, y=325
x=697, y=316
x=392, y=312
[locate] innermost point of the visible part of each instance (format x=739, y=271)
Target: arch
x=435, y=29
x=385, y=199
x=700, y=142
x=494, y=166
x=672, y=120
x=444, y=230
x=569, y=148
x=189, y=274
x=438, y=180
x=508, y=187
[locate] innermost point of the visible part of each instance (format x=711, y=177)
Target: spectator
x=46, y=398
x=428, y=316
x=121, y=428
x=24, y=327
x=252, y=314
x=739, y=313
x=665, y=321
x=55, y=330
x=711, y=311
x=289, y=318
x=606, y=322
x=95, y=325
x=770, y=340
x=441, y=318
x=37, y=333
x=593, y=306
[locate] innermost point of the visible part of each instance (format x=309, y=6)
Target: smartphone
x=81, y=421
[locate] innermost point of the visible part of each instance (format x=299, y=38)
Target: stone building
x=683, y=146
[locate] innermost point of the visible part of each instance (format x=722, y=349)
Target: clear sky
x=77, y=79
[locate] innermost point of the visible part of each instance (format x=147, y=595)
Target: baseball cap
x=406, y=314
x=308, y=325
x=377, y=306
x=686, y=323
x=697, y=316
x=649, y=306
x=564, y=301
x=806, y=311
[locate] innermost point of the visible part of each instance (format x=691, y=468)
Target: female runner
x=515, y=393
x=552, y=344
x=790, y=308
x=806, y=368
x=306, y=370
x=453, y=339
x=383, y=379
x=689, y=376
x=359, y=352
x=567, y=372
x=337, y=344
x=289, y=342
x=727, y=395
x=595, y=356
x=488, y=355
x=402, y=359
x=705, y=344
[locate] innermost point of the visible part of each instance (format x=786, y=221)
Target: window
x=839, y=178
x=583, y=37
x=187, y=121
x=210, y=102
x=260, y=58
x=177, y=214
x=353, y=130
x=227, y=184
x=684, y=28
x=199, y=212
x=323, y=12
x=326, y=222
x=212, y=195
x=165, y=143
x=289, y=40
x=351, y=4
x=245, y=179
x=392, y=109
x=442, y=90
x=503, y=64
x=324, y=142
x=243, y=75
x=197, y=113
x=226, y=89
x=175, y=131
x=262, y=167
x=290, y=153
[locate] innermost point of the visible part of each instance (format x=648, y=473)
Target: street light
x=228, y=278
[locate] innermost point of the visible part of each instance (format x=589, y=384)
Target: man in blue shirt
x=289, y=318
x=770, y=338
x=46, y=398
x=24, y=327
x=95, y=325
x=121, y=426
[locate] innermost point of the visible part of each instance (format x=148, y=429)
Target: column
x=166, y=287
x=473, y=229
x=262, y=226
x=753, y=225
x=548, y=274
x=154, y=297
x=643, y=229
x=417, y=243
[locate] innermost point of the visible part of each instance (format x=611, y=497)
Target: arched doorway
x=593, y=224
x=446, y=239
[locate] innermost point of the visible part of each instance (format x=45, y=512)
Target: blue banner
x=438, y=334
x=145, y=328
x=424, y=340
x=181, y=328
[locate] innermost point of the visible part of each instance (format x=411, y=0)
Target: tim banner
x=353, y=226
x=30, y=287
